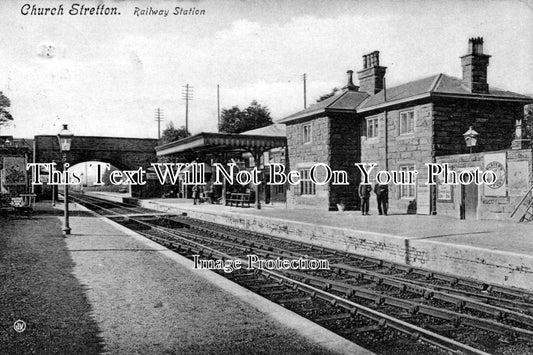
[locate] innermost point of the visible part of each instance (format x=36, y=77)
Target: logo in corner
x=19, y=326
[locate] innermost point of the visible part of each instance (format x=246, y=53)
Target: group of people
x=382, y=197
x=200, y=195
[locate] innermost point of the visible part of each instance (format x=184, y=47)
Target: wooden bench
x=236, y=198
x=24, y=204
x=5, y=205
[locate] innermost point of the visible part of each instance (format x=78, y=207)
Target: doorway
x=469, y=201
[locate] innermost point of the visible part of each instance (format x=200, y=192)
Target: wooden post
x=223, y=199
x=257, y=157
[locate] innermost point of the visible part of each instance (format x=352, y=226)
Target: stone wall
x=439, y=128
x=335, y=142
x=304, y=155
x=493, y=120
x=488, y=265
x=124, y=153
x=519, y=178
x=439, y=125
x=414, y=149
x=345, y=152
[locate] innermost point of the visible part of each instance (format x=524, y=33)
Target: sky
x=106, y=75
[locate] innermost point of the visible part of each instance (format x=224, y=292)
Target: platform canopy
x=222, y=143
x=256, y=142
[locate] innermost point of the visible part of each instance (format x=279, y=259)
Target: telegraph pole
x=158, y=118
x=186, y=95
x=218, y=107
x=305, y=90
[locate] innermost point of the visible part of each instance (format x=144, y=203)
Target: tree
x=235, y=120
x=528, y=121
x=5, y=116
x=230, y=120
x=327, y=96
x=107, y=173
x=171, y=134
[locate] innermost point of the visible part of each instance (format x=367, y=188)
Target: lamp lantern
x=65, y=139
x=471, y=138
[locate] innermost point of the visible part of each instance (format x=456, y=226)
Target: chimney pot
x=475, y=65
x=350, y=85
x=376, y=58
x=475, y=45
x=371, y=77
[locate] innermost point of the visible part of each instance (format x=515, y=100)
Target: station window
x=372, y=127
x=407, y=191
x=307, y=133
x=407, y=122
x=306, y=185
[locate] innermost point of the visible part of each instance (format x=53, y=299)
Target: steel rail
x=514, y=292
x=452, y=279
x=383, y=319
x=355, y=309
x=393, y=281
x=449, y=315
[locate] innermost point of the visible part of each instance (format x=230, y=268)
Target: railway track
x=386, y=307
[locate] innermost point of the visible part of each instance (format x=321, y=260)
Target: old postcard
x=266, y=177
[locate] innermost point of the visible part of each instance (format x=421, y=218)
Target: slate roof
x=17, y=142
x=345, y=101
x=272, y=130
x=221, y=142
x=438, y=85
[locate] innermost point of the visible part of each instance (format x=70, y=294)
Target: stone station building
x=399, y=128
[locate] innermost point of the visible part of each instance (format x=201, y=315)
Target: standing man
x=364, y=194
x=382, y=197
x=195, y=193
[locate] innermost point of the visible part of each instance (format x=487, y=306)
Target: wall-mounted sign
x=444, y=193
x=151, y=176
x=518, y=178
x=423, y=199
x=14, y=171
x=498, y=164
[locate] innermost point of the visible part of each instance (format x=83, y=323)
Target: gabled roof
x=345, y=101
x=16, y=142
x=436, y=85
x=272, y=130
x=221, y=142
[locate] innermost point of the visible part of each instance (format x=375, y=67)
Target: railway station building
x=401, y=128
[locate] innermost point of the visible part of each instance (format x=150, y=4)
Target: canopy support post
x=257, y=153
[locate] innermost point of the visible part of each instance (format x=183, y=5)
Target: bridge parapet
x=124, y=153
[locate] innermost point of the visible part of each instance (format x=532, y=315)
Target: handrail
x=520, y=203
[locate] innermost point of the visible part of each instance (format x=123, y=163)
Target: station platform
x=496, y=252
x=147, y=299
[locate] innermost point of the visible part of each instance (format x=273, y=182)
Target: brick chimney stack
x=475, y=65
x=371, y=77
x=350, y=85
